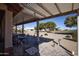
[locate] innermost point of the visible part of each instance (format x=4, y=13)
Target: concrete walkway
x=47, y=49
x=70, y=45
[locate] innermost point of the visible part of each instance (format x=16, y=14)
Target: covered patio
x=22, y=13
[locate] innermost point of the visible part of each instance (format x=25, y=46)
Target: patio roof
x=43, y=11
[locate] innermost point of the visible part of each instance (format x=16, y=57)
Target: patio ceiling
x=43, y=11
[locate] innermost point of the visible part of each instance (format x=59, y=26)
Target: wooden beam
x=32, y=20
x=44, y=8
x=35, y=19
x=34, y=10
x=65, y=13
x=58, y=8
x=14, y=7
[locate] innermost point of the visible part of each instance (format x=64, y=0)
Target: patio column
x=22, y=28
x=38, y=30
x=16, y=29
x=8, y=32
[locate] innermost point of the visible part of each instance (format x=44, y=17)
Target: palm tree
x=71, y=21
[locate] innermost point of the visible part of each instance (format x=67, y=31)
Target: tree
x=71, y=21
x=48, y=25
x=58, y=28
x=41, y=26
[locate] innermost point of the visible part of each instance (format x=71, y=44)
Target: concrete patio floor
x=47, y=49
x=68, y=44
x=47, y=45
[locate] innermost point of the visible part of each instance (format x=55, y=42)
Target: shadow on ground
x=31, y=41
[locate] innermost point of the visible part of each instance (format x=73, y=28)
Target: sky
x=58, y=20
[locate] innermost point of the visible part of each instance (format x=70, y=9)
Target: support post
x=16, y=29
x=38, y=30
x=22, y=28
x=8, y=32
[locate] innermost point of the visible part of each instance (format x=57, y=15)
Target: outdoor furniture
x=21, y=36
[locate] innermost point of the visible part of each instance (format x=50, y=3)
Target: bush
x=46, y=34
x=74, y=35
x=31, y=29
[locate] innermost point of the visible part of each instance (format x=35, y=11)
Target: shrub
x=46, y=34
